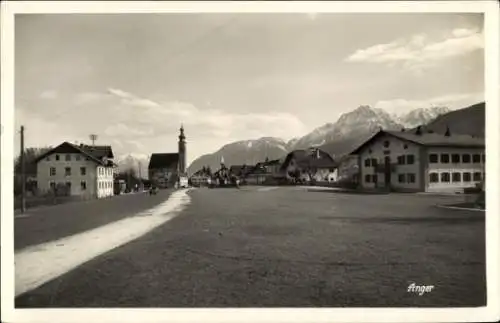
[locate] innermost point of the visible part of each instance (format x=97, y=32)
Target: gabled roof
x=237, y=169
x=427, y=139
x=257, y=169
x=201, y=172
x=309, y=158
x=94, y=153
x=163, y=160
x=272, y=162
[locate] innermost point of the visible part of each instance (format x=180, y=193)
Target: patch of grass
x=284, y=248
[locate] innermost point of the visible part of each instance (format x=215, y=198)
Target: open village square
x=286, y=232
x=269, y=162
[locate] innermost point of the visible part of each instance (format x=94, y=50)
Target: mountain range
x=338, y=138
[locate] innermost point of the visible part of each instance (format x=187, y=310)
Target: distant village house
x=421, y=161
x=166, y=169
x=76, y=170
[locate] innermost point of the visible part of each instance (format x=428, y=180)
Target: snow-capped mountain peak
x=420, y=116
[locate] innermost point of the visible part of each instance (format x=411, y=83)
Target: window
x=410, y=177
x=78, y=157
x=68, y=157
x=433, y=158
x=477, y=176
x=405, y=146
x=445, y=177
x=401, y=178
x=52, y=171
x=456, y=177
x=433, y=177
x=52, y=185
x=67, y=171
x=455, y=158
x=57, y=157
x=466, y=158
x=374, y=162
x=476, y=158
x=83, y=171
x=467, y=177
x=445, y=158
x=401, y=160
x=386, y=143
x=483, y=158
x=83, y=185
x=375, y=178
x=367, y=178
x=387, y=152
x=367, y=162
x=410, y=159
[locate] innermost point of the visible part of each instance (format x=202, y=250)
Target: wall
x=105, y=181
x=163, y=177
x=451, y=167
x=44, y=178
x=397, y=147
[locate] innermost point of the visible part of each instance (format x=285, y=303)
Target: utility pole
x=140, y=177
x=23, y=175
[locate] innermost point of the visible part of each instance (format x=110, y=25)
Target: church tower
x=182, y=152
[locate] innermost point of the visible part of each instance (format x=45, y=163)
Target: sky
x=133, y=79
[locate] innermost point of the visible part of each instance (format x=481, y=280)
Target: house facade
x=166, y=169
x=418, y=161
x=163, y=169
x=76, y=170
x=309, y=165
x=200, y=177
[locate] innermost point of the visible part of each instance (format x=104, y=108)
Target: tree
x=30, y=155
x=130, y=177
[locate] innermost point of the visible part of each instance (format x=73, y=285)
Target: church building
x=166, y=169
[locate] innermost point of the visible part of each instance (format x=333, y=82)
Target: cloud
x=131, y=99
x=451, y=101
x=48, y=95
x=134, y=124
x=40, y=132
x=419, y=51
x=141, y=117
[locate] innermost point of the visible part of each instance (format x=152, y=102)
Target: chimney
x=447, y=133
x=418, y=132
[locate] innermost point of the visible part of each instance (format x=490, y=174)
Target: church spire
x=182, y=151
x=182, y=137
